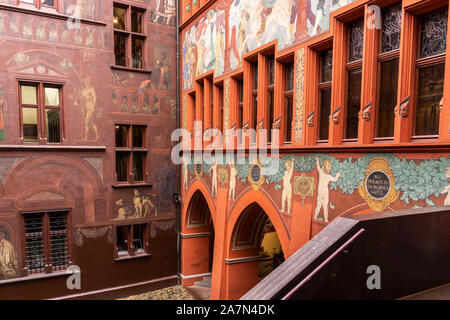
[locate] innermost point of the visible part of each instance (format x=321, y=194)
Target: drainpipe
x=178, y=184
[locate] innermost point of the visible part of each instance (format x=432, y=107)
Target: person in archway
x=325, y=178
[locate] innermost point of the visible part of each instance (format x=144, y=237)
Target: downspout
x=178, y=110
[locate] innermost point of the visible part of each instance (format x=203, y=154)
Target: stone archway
x=197, y=239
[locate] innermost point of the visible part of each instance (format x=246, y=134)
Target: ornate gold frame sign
x=377, y=188
x=255, y=175
x=303, y=186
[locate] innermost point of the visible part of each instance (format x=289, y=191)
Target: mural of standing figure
x=233, y=174
x=3, y=107
x=89, y=111
x=286, y=196
x=214, y=178
x=8, y=262
x=322, y=190
x=185, y=174
x=447, y=188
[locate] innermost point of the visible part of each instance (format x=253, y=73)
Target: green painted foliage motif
x=416, y=179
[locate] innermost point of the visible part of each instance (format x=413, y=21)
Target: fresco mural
x=251, y=24
x=163, y=12
x=8, y=260
x=141, y=206
x=380, y=180
x=3, y=111
x=204, y=47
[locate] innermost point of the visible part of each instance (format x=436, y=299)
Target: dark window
x=240, y=113
x=270, y=97
x=430, y=72
x=41, y=118
x=288, y=100
x=356, y=40
x=326, y=66
x=46, y=241
x=130, y=142
x=388, y=70
x=353, y=103
x=128, y=26
x=132, y=240
x=254, y=102
x=354, y=71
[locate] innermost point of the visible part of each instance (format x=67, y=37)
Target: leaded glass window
x=392, y=20
x=356, y=36
x=326, y=65
x=433, y=33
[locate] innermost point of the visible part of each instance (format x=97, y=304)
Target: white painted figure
x=322, y=190
x=286, y=196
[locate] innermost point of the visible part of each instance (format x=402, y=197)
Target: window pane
x=271, y=70
x=122, y=166
x=30, y=129
x=119, y=18
x=27, y=1
x=288, y=123
x=138, y=136
x=138, y=237
x=353, y=103
x=138, y=165
x=430, y=91
x=324, y=113
x=122, y=239
x=433, y=33
x=136, y=21
x=120, y=49
x=255, y=111
x=255, y=76
x=356, y=39
x=121, y=136
x=52, y=125
x=240, y=84
x=326, y=65
x=289, y=76
x=270, y=115
x=34, y=245
x=51, y=96
x=48, y=3
x=392, y=20
x=137, y=52
x=388, y=98
x=29, y=94
x=58, y=240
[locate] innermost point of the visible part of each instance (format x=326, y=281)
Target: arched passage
x=197, y=240
x=251, y=219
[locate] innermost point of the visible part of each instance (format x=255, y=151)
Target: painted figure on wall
x=142, y=205
x=3, y=108
x=233, y=174
x=203, y=45
x=318, y=14
x=165, y=12
x=185, y=174
x=323, y=197
x=8, y=261
x=286, y=196
x=161, y=69
x=213, y=169
x=89, y=109
x=447, y=188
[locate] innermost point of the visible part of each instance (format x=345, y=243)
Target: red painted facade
x=71, y=45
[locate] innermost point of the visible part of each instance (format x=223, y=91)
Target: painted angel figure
x=214, y=178
x=447, y=188
x=323, y=197
x=286, y=196
x=233, y=174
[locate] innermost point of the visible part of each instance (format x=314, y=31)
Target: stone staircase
x=205, y=282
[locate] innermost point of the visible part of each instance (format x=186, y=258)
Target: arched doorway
x=197, y=242
x=254, y=251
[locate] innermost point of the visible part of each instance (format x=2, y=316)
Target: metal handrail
x=331, y=257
